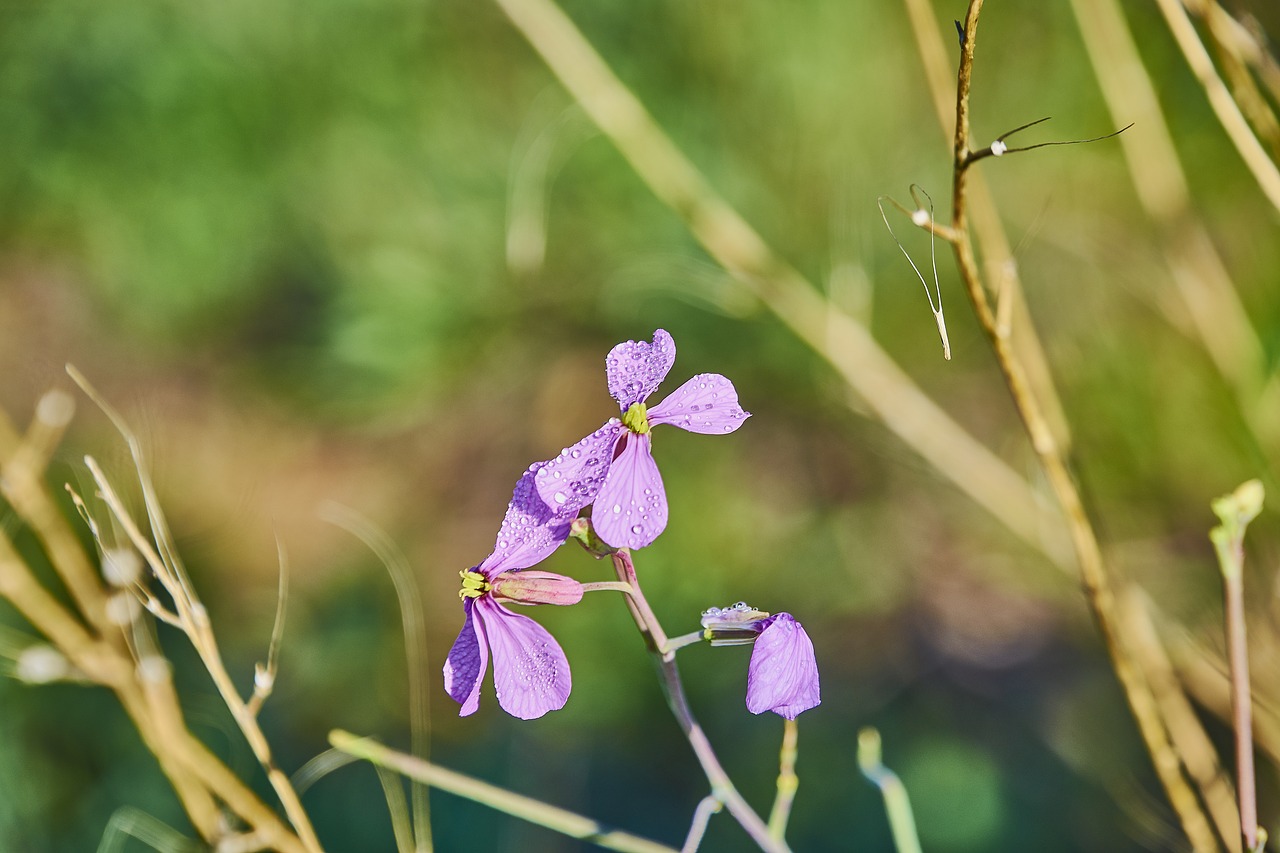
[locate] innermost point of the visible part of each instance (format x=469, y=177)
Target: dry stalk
x=1093, y=572
x=1196, y=269
x=99, y=651
x=1262, y=167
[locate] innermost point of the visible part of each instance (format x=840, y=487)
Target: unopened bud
x=736, y=625
x=533, y=587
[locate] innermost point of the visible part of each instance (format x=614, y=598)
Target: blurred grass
x=276, y=234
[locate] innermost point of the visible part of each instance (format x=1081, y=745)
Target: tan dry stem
x=1093, y=573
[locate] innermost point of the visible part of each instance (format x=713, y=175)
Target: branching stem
x=1093, y=573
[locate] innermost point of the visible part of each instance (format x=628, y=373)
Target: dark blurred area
x=371, y=253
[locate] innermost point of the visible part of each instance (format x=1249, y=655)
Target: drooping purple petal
x=783, y=676
x=468, y=659
x=571, y=481
x=707, y=403
x=530, y=531
x=635, y=368
x=530, y=671
x=631, y=509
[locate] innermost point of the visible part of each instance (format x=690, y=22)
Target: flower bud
x=533, y=587
x=736, y=625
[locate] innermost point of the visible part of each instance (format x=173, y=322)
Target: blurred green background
x=370, y=252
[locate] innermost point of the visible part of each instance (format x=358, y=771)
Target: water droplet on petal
x=560, y=497
x=575, y=453
x=617, y=508
x=635, y=528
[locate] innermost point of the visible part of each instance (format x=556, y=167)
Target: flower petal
x=530, y=531
x=465, y=667
x=631, y=509
x=707, y=403
x=635, y=369
x=571, y=480
x=783, y=676
x=530, y=671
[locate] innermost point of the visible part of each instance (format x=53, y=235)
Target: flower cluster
x=613, y=470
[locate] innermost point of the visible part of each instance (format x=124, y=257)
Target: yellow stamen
x=474, y=585
x=636, y=419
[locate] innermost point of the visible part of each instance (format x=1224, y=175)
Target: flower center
x=636, y=419
x=474, y=585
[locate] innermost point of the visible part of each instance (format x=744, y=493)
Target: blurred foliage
x=279, y=235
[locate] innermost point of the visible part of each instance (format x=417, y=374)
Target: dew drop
x=617, y=508
x=635, y=528
x=556, y=474
x=560, y=497
x=575, y=453
x=728, y=427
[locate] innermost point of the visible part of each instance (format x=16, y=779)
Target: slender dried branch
x=1192, y=743
x=722, y=787
x=525, y=808
x=1263, y=169
x=988, y=228
x=1214, y=310
x=200, y=780
x=1093, y=572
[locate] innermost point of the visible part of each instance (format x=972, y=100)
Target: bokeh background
x=371, y=253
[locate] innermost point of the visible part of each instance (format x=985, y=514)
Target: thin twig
x=707, y=806
x=1235, y=511
x=722, y=786
x=897, y=805
x=525, y=808
x=1093, y=572
x=1264, y=170
x=788, y=782
x=1214, y=309
x=191, y=613
x=415, y=649
x=988, y=227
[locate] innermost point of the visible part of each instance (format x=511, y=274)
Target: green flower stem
x=525, y=808
x=722, y=788
x=1236, y=510
x=597, y=586
x=788, y=782
x=676, y=643
x=902, y=824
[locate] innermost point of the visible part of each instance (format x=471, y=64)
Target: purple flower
x=614, y=465
x=783, y=675
x=530, y=671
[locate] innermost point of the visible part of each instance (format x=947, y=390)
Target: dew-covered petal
x=530, y=671
x=707, y=403
x=530, y=531
x=783, y=676
x=571, y=481
x=635, y=368
x=631, y=509
x=465, y=667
